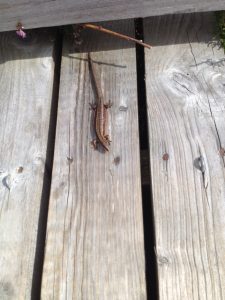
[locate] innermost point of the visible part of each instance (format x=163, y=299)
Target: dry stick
x=122, y=36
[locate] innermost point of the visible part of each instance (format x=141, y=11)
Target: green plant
x=220, y=18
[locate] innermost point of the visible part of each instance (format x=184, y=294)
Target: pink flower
x=21, y=33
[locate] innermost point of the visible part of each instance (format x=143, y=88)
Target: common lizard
x=100, y=109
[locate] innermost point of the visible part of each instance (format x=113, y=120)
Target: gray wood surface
x=94, y=245
x=26, y=78
x=185, y=75
x=45, y=13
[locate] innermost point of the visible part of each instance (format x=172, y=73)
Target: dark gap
x=148, y=215
x=43, y=215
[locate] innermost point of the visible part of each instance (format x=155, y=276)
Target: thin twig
x=122, y=36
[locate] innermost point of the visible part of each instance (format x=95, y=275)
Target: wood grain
x=44, y=13
x=185, y=75
x=26, y=80
x=94, y=246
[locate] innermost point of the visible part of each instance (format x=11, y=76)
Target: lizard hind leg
x=108, y=105
x=107, y=139
x=92, y=106
x=94, y=143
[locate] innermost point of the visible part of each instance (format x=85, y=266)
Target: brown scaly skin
x=101, y=113
x=101, y=120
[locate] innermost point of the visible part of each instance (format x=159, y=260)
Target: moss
x=220, y=20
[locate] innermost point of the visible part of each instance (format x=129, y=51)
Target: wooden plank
x=26, y=76
x=186, y=107
x=45, y=13
x=94, y=247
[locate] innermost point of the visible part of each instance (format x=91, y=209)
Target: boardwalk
x=77, y=223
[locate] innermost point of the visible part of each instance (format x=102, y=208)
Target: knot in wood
x=163, y=260
x=165, y=156
x=116, y=160
x=222, y=151
x=19, y=169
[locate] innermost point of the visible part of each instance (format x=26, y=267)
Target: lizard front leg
x=92, y=106
x=108, y=105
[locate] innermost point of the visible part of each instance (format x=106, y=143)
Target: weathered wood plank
x=45, y=13
x=94, y=247
x=26, y=81
x=186, y=108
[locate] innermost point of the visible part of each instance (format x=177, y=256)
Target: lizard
x=100, y=109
